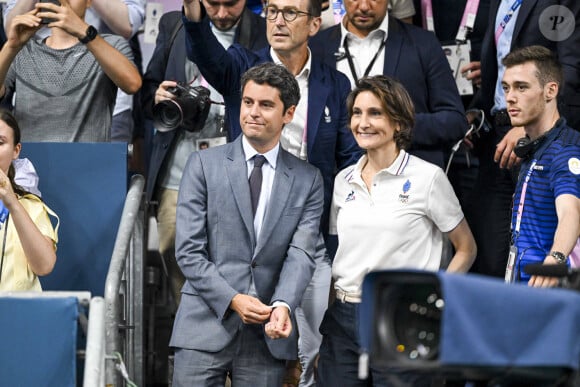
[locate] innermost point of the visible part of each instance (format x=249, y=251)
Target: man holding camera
x=545, y=224
x=65, y=91
x=231, y=22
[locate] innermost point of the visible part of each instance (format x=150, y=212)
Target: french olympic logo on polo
x=404, y=197
x=350, y=197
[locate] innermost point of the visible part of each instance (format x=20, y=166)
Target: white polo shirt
x=399, y=224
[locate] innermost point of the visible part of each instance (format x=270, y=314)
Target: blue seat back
x=39, y=341
x=86, y=185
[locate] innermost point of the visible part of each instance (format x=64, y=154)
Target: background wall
x=165, y=6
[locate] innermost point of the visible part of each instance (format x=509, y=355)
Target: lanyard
x=427, y=12
x=520, y=212
x=4, y=245
x=337, y=11
x=351, y=63
x=506, y=19
x=467, y=21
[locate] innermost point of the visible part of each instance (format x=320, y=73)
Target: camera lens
x=167, y=115
x=408, y=322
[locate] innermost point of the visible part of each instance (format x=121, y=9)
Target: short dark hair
x=547, y=64
x=396, y=102
x=276, y=76
x=315, y=7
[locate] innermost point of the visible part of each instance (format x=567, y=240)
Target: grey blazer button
x=254, y=264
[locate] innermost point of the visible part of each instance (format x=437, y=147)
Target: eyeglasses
x=289, y=14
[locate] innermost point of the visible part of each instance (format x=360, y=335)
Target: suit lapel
x=318, y=92
x=237, y=173
x=334, y=45
x=177, y=58
x=244, y=30
x=393, y=44
x=525, y=10
x=281, y=188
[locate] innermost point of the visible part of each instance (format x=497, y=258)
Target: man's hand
x=161, y=94
x=280, y=325
x=192, y=10
x=64, y=17
x=250, y=309
x=472, y=72
x=545, y=282
x=22, y=28
x=504, y=154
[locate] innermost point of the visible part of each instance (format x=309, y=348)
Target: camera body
x=470, y=327
x=188, y=110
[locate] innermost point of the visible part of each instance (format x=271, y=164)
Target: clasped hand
x=253, y=311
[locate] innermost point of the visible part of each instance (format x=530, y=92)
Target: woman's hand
x=38, y=248
x=7, y=195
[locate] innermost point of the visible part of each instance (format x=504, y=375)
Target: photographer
x=68, y=81
x=232, y=23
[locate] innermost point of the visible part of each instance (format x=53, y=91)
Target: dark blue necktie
x=256, y=181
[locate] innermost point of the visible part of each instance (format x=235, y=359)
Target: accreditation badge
x=458, y=55
x=509, y=270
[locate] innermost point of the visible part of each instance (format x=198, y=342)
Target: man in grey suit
x=245, y=273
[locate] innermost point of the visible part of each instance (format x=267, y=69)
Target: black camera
x=188, y=110
x=471, y=327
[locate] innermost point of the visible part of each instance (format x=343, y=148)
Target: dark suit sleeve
x=445, y=121
x=347, y=150
x=299, y=264
x=569, y=57
x=191, y=240
x=155, y=73
x=221, y=70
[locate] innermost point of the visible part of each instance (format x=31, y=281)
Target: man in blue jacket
x=369, y=42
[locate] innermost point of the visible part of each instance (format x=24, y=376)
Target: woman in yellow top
x=27, y=238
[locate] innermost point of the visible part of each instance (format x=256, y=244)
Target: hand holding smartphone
x=46, y=20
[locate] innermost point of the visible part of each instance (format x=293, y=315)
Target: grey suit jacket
x=219, y=254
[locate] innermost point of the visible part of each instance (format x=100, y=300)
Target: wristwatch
x=561, y=258
x=90, y=35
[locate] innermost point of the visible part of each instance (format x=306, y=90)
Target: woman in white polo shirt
x=390, y=211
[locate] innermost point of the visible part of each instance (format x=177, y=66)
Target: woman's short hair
x=396, y=103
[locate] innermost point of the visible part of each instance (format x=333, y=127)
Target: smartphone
x=46, y=20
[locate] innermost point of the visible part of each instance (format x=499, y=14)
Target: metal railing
x=94, y=375
x=123, y=301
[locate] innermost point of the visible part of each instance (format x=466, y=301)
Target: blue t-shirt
x=555, y=171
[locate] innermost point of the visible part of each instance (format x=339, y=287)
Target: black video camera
x=188, y=110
